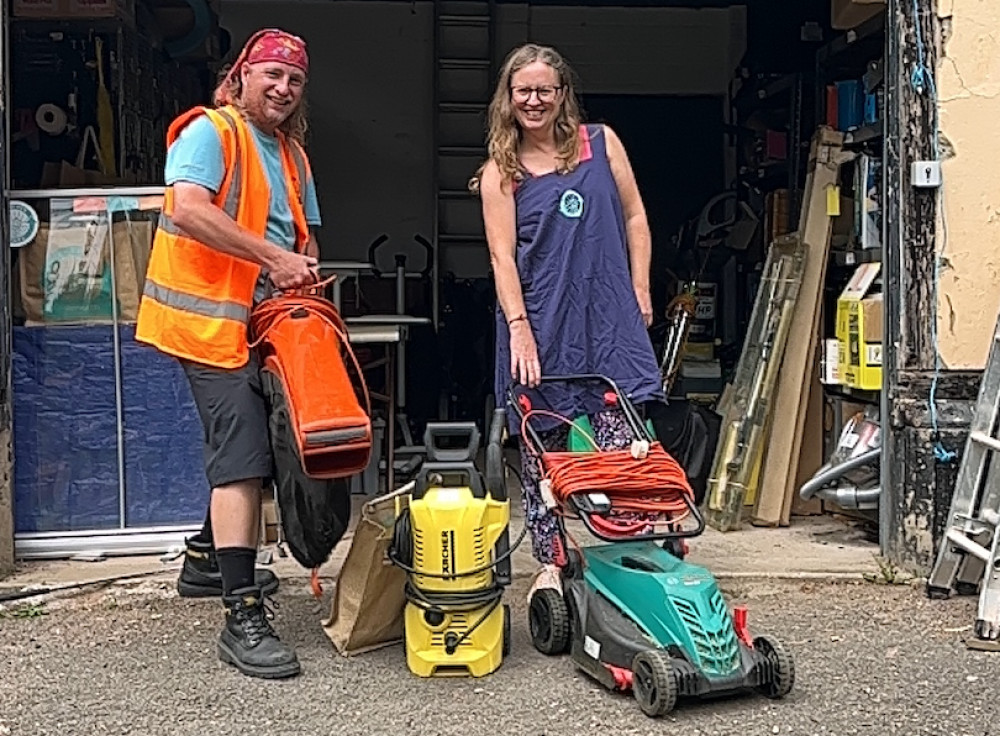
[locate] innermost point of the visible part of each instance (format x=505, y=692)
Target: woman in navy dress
x=570, y=248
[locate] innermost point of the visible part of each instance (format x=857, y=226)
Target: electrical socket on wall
x=925, y=174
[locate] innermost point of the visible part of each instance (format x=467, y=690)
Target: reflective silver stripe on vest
x=166, y=224
x=231, y=204
x=196, y=304
x=300, y=165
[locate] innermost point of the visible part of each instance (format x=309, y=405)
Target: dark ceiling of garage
x=774, y=26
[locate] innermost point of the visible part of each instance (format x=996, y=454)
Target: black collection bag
x=314, y=513
x=689, y=433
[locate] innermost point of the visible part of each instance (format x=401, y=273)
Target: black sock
x=236, y=564
x=205, y=535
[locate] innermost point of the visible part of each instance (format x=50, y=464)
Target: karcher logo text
x=447, y=551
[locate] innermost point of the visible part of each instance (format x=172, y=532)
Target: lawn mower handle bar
x=680, y=534
x=639, y=430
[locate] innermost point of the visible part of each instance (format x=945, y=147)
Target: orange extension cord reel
x=642, y=484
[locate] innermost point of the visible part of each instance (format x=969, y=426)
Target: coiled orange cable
x=644, y=489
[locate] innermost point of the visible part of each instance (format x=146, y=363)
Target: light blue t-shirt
x=196, y=157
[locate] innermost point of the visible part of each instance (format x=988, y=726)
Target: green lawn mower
x=632, y=613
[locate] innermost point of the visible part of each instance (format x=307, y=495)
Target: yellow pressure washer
x=452, y=539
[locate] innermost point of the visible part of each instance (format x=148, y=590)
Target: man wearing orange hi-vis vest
x=238, y=213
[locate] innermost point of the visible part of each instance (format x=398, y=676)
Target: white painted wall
x=969, y=94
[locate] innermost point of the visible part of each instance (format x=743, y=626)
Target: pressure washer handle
x=436, y=433
x=496, y=482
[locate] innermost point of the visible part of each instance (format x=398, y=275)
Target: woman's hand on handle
x=524, y=364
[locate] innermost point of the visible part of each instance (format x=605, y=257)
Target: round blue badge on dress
x=571, y=203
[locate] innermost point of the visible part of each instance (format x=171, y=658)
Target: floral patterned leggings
x=611, y=432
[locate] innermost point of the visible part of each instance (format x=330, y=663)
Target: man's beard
x=259, y=111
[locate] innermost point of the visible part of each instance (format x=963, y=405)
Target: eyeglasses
x=545, y=94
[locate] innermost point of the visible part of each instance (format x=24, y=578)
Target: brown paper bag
x=132, y=244
x=368, y=602
x=60, y=284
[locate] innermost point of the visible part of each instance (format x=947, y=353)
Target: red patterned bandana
x=270, y=44
x=275, y=45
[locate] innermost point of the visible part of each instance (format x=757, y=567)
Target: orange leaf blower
x=303, y=342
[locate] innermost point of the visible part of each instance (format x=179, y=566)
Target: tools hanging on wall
x=68, y=75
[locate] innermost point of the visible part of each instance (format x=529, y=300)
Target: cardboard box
x=847, y=14
x=859, y=330
x=74, y=9
x=703, y=351
x=830, y=362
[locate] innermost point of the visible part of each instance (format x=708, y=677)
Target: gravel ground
x=138, y=660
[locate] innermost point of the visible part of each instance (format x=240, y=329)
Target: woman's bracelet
x=518, y=318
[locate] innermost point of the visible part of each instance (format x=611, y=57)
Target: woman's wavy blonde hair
x=230, y=92
x=504, y=137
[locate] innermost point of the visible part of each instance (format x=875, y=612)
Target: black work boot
x=200, y=576
x=249, y=643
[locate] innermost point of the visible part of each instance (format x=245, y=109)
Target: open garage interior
x=717, y=104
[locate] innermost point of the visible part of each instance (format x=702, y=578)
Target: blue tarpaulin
x=65, y=433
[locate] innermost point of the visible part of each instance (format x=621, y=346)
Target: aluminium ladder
x=967, y=559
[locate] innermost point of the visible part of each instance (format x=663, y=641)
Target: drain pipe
x=847, y=496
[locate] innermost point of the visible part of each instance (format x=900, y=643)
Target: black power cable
x=400, y=552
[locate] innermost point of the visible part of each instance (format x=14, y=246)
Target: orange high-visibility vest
x=196, y=301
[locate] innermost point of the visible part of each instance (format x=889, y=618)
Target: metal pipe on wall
x=893, y=259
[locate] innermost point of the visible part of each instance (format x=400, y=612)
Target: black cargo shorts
x=234, y=414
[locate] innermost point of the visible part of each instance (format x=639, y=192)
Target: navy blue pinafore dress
x=572, y=258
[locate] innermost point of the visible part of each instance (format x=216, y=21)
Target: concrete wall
x=371, y=90
x=969, y=94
